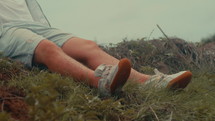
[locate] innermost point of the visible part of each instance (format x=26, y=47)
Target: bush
x=208, y=39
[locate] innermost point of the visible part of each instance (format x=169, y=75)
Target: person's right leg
x=89, y=53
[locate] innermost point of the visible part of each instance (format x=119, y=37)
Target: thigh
x=19, y=44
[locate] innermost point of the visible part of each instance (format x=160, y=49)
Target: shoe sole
x=122, y=75
x=181, y=81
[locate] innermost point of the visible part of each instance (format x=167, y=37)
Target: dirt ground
x=12, y=101
x=11, y=98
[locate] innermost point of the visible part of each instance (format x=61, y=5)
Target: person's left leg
x=108, y=79
x=88, y=52
x=57, y=61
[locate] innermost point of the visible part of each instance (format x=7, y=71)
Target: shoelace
x=102, y=70
x=106, y=71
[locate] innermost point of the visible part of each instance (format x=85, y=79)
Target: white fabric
x=107, y=74
x=14, y=10
x=162, y=80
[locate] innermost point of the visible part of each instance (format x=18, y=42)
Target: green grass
x=52, y=97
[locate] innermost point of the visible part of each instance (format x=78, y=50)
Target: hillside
x=38, y=95
x=168, y=56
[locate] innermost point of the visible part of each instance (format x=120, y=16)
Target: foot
x=174, y=81
x=113, y=78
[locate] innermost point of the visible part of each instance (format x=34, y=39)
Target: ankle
x=143, y=79
x=94, y=81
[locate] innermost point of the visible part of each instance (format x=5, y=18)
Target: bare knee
x=79, y=48
x=45, y=51
x=90, y=45
x=88, y=50
x=83, y=44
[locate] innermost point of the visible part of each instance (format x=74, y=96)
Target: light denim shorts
x=18, y=41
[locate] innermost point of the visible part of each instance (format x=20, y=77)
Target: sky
x=110, y=21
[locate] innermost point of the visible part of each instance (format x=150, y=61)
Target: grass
x=51, y=97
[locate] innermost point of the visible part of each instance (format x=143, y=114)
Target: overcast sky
x=109, y=21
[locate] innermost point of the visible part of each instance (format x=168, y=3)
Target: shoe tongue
x=157, y=72
x=99, y=70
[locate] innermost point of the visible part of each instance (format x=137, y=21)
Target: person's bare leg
x=56, y=60
x=90, y=54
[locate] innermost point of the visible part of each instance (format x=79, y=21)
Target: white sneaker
x=174, y=81
x=113, y=78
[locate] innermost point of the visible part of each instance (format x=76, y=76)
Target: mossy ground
x=51, y=97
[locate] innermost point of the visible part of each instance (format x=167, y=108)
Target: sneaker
x=174, y=81
x=113, y=78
